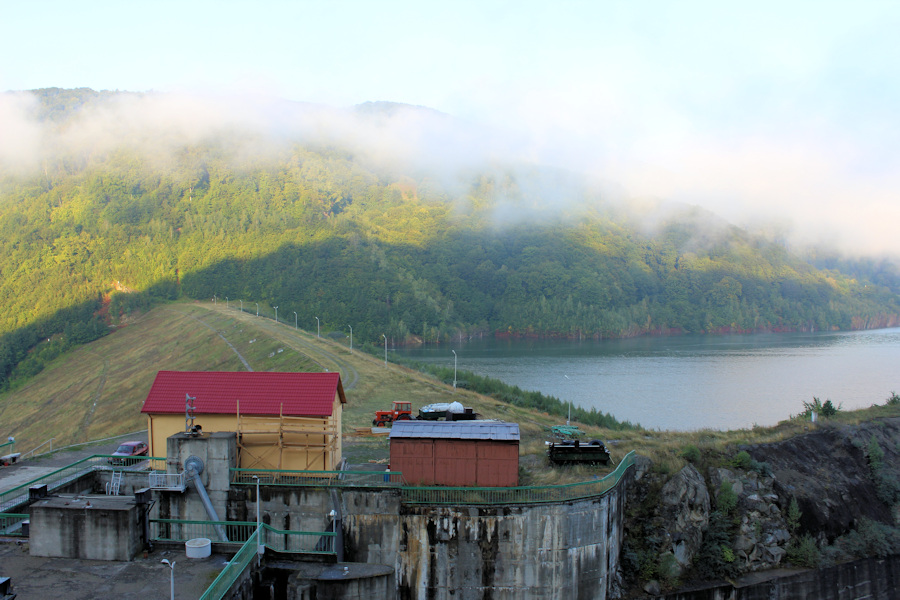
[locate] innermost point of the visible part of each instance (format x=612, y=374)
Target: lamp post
x=259, y=545
x=171, y=578
x=276, y=314
x=351, y=336
x=257, y=309
x=317, y=327
x=295, y=319
x=454, y=368
x=385, y=349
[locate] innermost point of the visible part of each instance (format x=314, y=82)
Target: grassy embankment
x=97, y=390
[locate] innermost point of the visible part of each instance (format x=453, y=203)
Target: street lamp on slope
x=454, y=368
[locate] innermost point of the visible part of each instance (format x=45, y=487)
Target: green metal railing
x=241, y=533
x=55, y=479
x=317, y=478
x=11, y=444
x=176, y=530
x=238, y=532
x=233, y=570
x=299, y=542
x=436, y=495
x=11, y=523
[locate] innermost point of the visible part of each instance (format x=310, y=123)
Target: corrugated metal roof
x=260, y=394
x=462, y=430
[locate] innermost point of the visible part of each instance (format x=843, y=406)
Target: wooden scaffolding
x=287, y=443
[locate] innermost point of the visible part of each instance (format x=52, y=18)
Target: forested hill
x=92, y=230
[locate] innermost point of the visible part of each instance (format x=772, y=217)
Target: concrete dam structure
x=379, y=539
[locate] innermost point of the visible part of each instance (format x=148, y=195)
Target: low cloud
x=20, y=133
x=809, y=188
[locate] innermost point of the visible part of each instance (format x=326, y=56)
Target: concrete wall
x=564, y=550
x=556, y=551
x=869, y=579
x=217, y=451
x=92, y=528
x=372, y=526
x=285, y=508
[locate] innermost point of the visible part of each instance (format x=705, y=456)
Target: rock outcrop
x=684, y=514
x=828, y=471
x=763, y=533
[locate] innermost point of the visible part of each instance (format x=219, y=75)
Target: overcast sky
x=784, y=111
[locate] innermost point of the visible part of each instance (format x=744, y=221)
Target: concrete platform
x=74, y=579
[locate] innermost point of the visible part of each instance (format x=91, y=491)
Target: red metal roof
x=218, y=392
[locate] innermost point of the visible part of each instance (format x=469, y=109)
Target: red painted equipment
x=399, y=411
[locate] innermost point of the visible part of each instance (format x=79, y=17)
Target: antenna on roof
x=189, y=413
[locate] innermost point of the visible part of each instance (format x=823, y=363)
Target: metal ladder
x=115, y=482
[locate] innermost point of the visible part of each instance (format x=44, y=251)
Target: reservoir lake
x=691, y=382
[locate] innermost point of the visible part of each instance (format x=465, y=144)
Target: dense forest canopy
x=329, y=228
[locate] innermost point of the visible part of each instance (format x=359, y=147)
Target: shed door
x=455, y=462
x=415, y=459
x=498, y=464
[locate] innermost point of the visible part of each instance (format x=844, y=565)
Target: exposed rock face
x=828, y=472
x=763, y=534
x=684, y=512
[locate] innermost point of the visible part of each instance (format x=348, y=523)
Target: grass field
x=97, y=390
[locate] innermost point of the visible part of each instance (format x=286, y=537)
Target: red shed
x=456, y=453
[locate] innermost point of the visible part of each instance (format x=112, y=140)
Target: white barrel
x=198, y=548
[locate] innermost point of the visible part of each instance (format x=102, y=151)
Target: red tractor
x=400, y=411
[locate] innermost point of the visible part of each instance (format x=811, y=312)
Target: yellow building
x=282, y=420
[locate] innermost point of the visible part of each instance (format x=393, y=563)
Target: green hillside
x=96, y=232
x=97, y=390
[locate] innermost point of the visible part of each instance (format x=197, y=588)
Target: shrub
x=691, y=453
x=742, y=460
x=886, y=485
x=668, y=570
x=793, y=516
x=726, y=499
x=893, y=400
x=804, y=552
x=828, y=409
x=870, y=538
x=710, y=561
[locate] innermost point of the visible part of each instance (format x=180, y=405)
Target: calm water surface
x=692, y=382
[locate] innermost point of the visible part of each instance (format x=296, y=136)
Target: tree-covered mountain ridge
x=336, y=231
